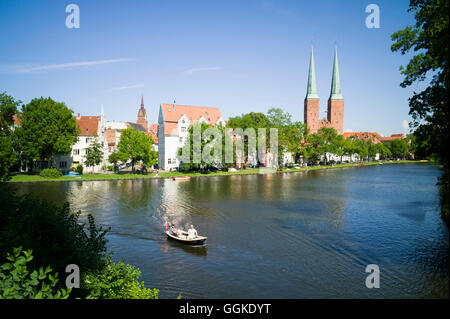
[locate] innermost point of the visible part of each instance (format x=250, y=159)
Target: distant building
x=373, y=136
x=113, y=130
x=173, y=123
x=92, y=128
x=335, y=109
x=385, y=139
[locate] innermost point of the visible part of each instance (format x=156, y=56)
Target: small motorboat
x=180, y=178
x=183, y=238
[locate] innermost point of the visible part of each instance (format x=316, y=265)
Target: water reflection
x=295, y=235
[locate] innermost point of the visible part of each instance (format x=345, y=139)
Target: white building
x=173, y=123
x=92, y=128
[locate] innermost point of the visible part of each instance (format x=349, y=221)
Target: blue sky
x=241, y=56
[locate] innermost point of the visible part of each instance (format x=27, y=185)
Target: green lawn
x=85, y=177
x=92, y=177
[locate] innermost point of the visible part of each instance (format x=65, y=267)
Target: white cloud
x=405, y=126
x=30, y=69
x=202, y=69
x=120, y=88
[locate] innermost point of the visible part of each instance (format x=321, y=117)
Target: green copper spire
x=335, y=82
x=312, y=87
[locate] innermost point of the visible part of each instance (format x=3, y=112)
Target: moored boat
x=183, y=238
x=180, y=178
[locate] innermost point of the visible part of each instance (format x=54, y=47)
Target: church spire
x=312, y=87
x=335, y=82
x=142, y=101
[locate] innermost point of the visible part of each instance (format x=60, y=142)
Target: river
x=292, y=235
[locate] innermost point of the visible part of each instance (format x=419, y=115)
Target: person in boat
x=173, y=230
x=192, y=232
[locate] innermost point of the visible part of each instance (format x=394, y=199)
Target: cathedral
x=335, y=110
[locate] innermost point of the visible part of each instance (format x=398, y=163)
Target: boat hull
x=200, y=240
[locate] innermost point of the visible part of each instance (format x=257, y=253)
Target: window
x=181, y=140
x=76, y=152
x=169, y=161
x=183, y=129
x=63, y=164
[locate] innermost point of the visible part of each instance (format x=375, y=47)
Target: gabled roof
x=88, y=124
x=153, y=131
x=392, y=137
x=173, y=112
x=373, y=136
x=137, y=127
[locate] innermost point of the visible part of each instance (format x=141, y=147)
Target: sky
x=241, y=56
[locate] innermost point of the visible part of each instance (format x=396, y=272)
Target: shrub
x=80, y=169
x=16, y=282
x=52, y=232
x=117, y=281
x=50, y=172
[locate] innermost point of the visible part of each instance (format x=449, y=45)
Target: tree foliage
x=17, y=282
x=8, y=156
x=428, y=39
x=54, y=233
x=94, y=154
x=118, y=281
x=46, y=128
x=136, y=146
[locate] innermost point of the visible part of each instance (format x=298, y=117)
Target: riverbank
x=20, y=178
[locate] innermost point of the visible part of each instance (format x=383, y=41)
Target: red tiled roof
x=392, y=137
x=373, y=136
x=88, y=125
x=153, y=131
x=194, y=113
x=173, y=112
x=170, y=128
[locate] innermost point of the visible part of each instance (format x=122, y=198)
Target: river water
x=294, y=235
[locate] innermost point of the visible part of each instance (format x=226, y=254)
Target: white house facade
x=173, y=129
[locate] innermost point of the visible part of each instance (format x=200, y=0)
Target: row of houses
x=168, y=135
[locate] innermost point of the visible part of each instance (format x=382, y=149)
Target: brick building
x=335, y=108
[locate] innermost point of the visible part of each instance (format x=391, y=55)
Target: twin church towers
x=335, y=112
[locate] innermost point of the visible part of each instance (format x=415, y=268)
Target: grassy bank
x=102, y=177
x=85, y=177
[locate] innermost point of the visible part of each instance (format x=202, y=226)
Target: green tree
x=361, y=148
x=327, y=137
x=47, y=128
x=190, y=147
x=117, y=281
x=383, y=150
x=94, y=154
x=8, y=156
x=54, y=233
x=136, y=146
x=428, y=38
x=17, y=282
x=290, y=134
x=398, y=148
